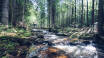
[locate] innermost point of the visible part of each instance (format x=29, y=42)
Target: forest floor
x=15, y=42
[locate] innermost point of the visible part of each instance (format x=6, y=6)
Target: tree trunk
x=5, y=13
x=82, y=14
x=87, y=14
x=93, y=11
x=14, y=21
x=11, y=8
x=101, y=18
x=72, y=15
x=49, y=10
x=0, y=10
x=53, y=12
x=75, y=11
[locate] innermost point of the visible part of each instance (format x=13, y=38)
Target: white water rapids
x=74, y=51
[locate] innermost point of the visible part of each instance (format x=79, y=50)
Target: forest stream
x=59, y=46
x=51, y=28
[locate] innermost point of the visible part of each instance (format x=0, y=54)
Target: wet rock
x=60, y=34
x=35, y=57
x=53, y=30
x=86, y=42
x=36, y=30
x=73, y=43
x=40, y=36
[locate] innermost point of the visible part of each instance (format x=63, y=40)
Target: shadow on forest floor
x=13, y=46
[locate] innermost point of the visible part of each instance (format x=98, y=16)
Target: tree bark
x=75, y=11
x=0, y=10
x=82, y=14
x=101, y=18
x=51, y=12
x=87, y=14
x=5, y=12
x=93, y=11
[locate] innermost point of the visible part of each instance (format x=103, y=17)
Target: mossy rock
x=27, y=34
x=86, y=36
x=75, y=35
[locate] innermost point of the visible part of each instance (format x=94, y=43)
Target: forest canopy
x=47, y=13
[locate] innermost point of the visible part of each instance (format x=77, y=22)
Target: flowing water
x=66, y=49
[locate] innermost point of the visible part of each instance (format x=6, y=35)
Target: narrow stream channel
x=58, y=46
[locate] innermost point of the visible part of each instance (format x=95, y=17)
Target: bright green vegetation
x=17, y=32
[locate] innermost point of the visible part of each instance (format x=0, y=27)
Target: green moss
x=24, y=33
x=73, y=36
x=86, y=36
x=10, y=30
x=27, y=34
x=2, y=27
x=5, y=57
x=8, y=44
